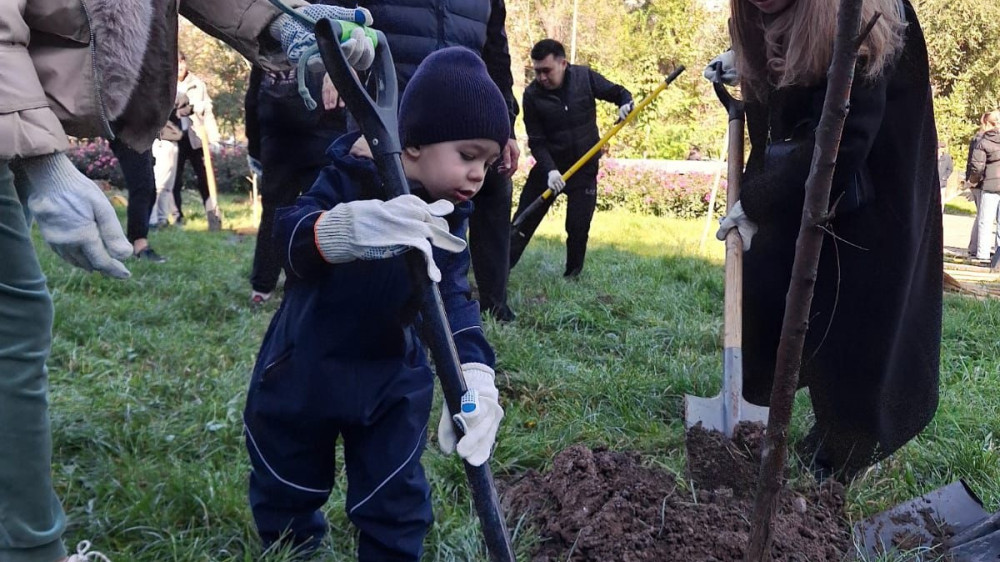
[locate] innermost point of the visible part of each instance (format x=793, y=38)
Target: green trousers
x=31, y=518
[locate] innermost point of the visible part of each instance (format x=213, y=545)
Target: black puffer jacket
x=984, y=162
x=562, y=123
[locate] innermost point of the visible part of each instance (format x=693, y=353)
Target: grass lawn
x=148, y=382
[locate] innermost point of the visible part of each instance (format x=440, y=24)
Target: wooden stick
x=815, y=214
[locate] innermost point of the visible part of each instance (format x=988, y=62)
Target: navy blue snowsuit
x=339, y=361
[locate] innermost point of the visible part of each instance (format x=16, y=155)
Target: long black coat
x=872, y=351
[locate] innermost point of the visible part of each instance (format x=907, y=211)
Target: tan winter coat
x=202, y=119
x=86, y=60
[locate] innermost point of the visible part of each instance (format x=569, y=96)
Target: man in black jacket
x=560, y=115
x=415, y=29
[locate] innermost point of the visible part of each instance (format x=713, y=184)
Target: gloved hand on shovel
x=556, y=183
x=480, y=417
x=372, y=229
x=722, y=69
x=625, y=109
x=739, y=220
x=296, y=38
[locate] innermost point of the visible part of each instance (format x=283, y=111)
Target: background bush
x=94, y=158
x=644, y=188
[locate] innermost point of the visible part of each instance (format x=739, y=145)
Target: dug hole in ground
x=602, y=506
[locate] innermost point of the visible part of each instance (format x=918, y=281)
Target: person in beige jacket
x=81, y=74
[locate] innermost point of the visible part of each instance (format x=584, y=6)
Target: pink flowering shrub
x=96, y=161
x=645, y=189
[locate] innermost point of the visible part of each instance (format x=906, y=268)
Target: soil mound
x=605, y=506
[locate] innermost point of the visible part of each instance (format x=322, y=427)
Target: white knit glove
x=373, y=229
x=480, y=417
x=556, y=183
x=722, y=69
x=739, y=220
x=296, y=37
x=74, y=216
x=625, y=109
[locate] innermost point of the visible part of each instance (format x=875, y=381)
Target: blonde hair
x=991, y=120
x=795, y=47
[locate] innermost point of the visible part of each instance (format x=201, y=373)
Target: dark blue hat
x=452, y=97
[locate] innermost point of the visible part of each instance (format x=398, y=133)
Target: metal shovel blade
x=728, y=408
x=923, y=522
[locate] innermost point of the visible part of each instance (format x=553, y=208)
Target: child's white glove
x=74, y=216
x=739, y=220
x=722, y=69
x=555, y=182
x=625, y=109
x=480, y=417
x=373, y=229
x=296, y=37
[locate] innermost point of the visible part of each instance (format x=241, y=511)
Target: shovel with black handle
x=377, y=119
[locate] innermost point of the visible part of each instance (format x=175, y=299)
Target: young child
x=871, y=353
x=341, y=358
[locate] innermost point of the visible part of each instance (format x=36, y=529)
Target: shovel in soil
x=948, y=523
x=723, y=412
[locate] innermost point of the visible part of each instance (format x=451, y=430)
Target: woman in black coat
x=871, y=354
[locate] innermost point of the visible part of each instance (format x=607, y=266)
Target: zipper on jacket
x=99, y=97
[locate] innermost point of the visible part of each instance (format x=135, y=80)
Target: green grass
x=148, y=379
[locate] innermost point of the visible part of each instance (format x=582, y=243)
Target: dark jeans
x=137, y=167
x=581, y=191
x=266, y=259
x=186, y=152
x=293, y=143
x=489, y=241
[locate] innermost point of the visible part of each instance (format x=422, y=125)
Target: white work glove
x=480, y=417
x=296, y=37
x=256, y=167
x=556, y=183
x=739, y=220
x=722, y=69
x=625, y=109
x=373, y=229
x=74, y=216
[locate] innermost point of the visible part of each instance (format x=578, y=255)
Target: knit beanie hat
x=451, y=97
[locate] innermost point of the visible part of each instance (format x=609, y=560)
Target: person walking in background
x=872, y=351
x=346, y=331
x=59, y=87
x=287, y=145
x=946, y=165
x=137, y=168
x=560, y=115
x=975, y=189
x=984, y=171
x=199, y=121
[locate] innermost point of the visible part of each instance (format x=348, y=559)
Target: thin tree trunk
x=800, y=291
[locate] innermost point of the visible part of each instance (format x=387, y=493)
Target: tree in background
x=963, y=42
x=636, y=43
x=225, y=73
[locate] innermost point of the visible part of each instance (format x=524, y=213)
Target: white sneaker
x=84, y=554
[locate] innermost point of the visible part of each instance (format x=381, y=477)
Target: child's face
x=452, y=170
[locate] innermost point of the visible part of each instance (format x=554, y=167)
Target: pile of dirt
x=601, y=505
